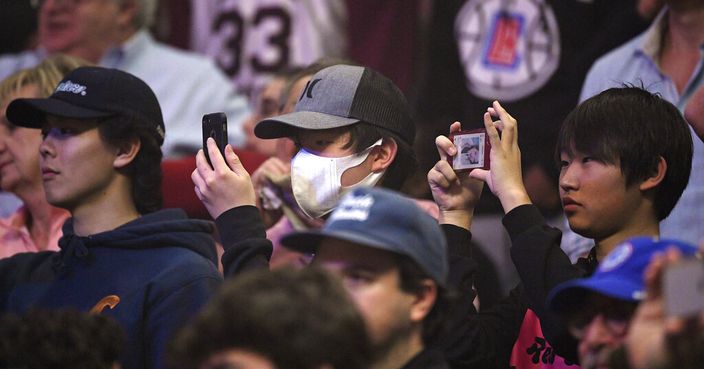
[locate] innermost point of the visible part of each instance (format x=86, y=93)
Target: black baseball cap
x=90, y=93
x=342, y=95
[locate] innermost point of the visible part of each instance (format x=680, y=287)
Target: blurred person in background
x=286, y=318
x=665, y=59
x=599, y=309
x=268, y=104
x=657, y=339
x=114, y=34
x=63, y=338
x=36, y=225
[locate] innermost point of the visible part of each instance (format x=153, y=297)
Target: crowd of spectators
x=355, y=243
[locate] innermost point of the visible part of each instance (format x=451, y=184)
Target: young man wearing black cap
x=100, y=159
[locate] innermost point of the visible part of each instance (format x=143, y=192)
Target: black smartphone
x=683, y=288
x=215, y=126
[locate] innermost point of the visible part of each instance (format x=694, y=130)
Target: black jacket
x=542, y=265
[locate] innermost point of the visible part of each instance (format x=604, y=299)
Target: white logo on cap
x=617, y=257
x=353, y=208
x=638, y=295
x=69, y=86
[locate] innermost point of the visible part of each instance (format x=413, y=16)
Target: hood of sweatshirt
x=164, y=228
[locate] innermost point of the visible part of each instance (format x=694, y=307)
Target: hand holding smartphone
x=215, y=126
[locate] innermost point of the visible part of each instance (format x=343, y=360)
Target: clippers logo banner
x=508, y=49
x=502, y=50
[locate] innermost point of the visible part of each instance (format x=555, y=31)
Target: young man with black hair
x=100, y=159
x=281, y=319
x=616, y=181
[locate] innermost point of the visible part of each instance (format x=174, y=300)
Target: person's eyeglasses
x=615, y=316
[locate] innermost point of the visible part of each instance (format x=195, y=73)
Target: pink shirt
x=15, y=238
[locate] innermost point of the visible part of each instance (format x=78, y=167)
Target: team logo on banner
x=508, y=49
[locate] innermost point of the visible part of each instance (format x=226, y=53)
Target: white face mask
x=316, y=180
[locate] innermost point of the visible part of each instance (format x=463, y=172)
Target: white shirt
x=186, y=84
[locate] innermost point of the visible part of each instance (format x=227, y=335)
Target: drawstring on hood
x=145, y=232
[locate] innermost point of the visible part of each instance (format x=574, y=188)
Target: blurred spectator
x=694, y=112
x=665, y=59
x=598, y=309
x=268, y=103
x=287, y=318
x=253, y=39
x=658, y=339
x=58, y=339
x=36, y=226
x=114, y=34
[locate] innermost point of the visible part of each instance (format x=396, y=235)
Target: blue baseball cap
x=384, y=220
x=619, y=275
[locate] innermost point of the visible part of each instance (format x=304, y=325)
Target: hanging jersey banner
x=251, y=39
x=508, y=49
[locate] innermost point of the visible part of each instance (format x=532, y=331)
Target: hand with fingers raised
x=224, y=186
x=456, y=194
x=504, y=178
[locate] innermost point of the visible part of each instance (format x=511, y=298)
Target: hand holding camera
x=504, y=177
x=455, y=193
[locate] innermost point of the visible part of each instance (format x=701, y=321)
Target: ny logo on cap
x=308, y=91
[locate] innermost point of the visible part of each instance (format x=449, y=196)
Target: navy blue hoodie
x=161, y=266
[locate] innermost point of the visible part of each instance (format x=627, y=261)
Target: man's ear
x=656, y=178
x=125, y=154
x=424, y=300
x=384, y=154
